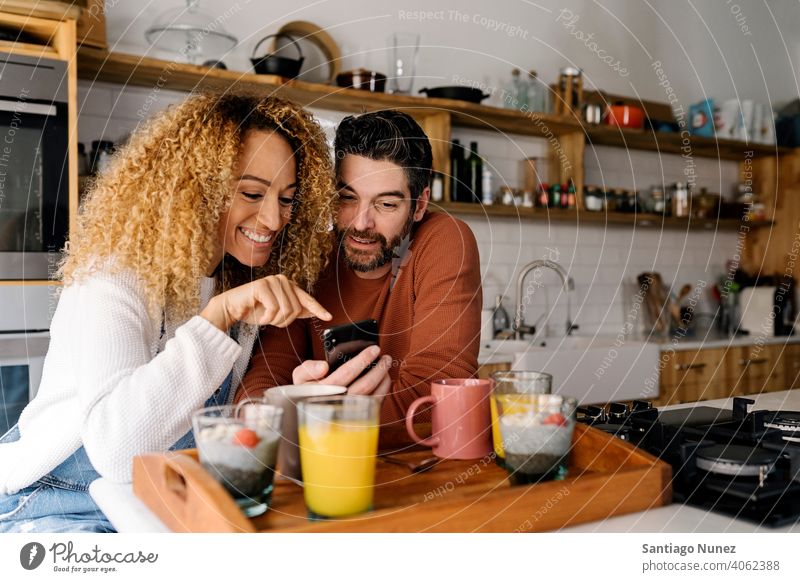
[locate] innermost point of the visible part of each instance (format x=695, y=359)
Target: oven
x=34, y=217
x=21, y=361
x=34, y=166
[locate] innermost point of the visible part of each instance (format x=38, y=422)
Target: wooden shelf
x=99, y=65
x=578, y=217
x=672, y=143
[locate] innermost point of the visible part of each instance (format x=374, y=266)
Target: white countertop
x=495, y=356
x=128, y=514
x=692, y=343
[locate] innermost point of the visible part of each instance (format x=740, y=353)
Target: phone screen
x=343, y=342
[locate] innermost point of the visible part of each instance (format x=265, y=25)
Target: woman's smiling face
x=264, y=184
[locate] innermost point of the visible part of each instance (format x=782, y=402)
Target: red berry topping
x=556, y=418
x=246, y=437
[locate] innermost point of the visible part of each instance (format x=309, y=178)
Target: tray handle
x=185, y=496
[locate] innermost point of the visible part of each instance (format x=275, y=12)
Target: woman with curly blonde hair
x=213, y=220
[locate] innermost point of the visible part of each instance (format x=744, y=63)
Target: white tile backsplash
x=601, y=260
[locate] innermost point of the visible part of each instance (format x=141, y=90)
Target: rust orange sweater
x=429, y=324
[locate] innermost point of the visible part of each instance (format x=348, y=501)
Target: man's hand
x=376, y=382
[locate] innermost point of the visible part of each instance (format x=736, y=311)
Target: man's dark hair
x=388, y=135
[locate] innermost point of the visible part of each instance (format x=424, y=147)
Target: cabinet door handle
x=690, y=366
x=753, y=361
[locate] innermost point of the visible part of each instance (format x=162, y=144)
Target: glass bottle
x=437, y=187
x=536, y=93
x=475, y=173
x=680, y=199
x=487, y=186
x=456, y=171
x=516, y=96
x=555, y=196
x=543, y=199
x=570, y=196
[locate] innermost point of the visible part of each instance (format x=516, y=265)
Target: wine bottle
x=456, y=171
x=475, y=173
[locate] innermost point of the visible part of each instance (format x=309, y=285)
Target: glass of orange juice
x=514, y=382
x=338, y=446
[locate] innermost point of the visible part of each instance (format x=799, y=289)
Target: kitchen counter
x=128, y=514
x=715, y=341
x=488, y=355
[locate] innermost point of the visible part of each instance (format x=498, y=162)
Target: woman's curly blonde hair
x=155, y=210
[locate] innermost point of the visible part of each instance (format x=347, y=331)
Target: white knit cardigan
x=112, y=384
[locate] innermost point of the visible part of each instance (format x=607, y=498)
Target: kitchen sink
x=593, y=369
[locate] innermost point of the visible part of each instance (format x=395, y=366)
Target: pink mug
x=461, y=423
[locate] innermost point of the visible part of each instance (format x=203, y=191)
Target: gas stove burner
x=736, y=461
x=786, y=421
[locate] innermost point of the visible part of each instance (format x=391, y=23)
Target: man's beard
x=364, y=262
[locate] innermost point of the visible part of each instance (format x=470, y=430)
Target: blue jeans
x=60, y=502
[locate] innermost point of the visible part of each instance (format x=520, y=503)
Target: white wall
x=703, y=48
x=716, y=48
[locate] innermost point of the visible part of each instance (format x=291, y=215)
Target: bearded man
x=416, y=272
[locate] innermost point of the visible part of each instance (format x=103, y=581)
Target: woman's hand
x=273, y=300
x=376, y=382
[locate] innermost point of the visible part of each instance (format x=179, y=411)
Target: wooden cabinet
x=791, y=366
x=708, y=374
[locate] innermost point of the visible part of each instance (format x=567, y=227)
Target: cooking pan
x=456, y=92
x=271, y=64
x=623, y=115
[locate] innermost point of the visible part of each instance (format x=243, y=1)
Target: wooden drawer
x=693, y=367
x=791, y=365
x=755, y=369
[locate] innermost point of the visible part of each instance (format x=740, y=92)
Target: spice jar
x=619, y=198
x=543, y=198
x=657, y=200
x=631, y=201
x=680, y=199
x=506, y=196
x=570, y=91
x=593, y=199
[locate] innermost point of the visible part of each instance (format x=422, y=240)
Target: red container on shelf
x=622, y=115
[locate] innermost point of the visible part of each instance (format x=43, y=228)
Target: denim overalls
x=60, y=501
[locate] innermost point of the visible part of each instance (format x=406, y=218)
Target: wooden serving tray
x=607, y=476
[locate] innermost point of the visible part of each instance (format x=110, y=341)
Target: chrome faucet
x=519, y=320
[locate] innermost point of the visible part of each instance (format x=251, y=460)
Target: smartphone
x=344, y=342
